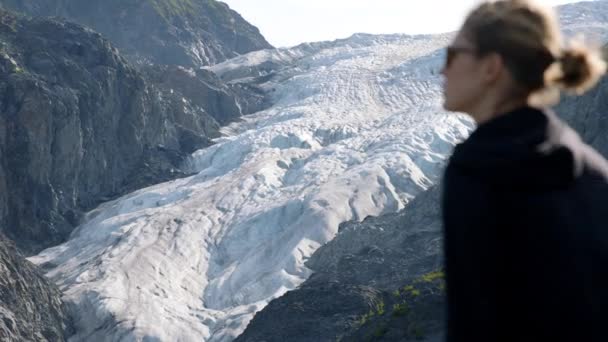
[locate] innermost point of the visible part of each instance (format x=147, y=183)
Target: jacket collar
x=525, y=147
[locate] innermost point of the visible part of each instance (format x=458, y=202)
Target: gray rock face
x=224, y=102
x=190, y=33
x=78, y=126
x=30, y=306
x=588, y=115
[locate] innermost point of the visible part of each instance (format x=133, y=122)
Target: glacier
x=356, y=129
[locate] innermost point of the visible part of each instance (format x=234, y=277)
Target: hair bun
x=581, y=68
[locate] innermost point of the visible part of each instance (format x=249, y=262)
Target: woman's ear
x=492, y=67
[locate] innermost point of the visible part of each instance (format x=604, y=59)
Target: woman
x=525, y=201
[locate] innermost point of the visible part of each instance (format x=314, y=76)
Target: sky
x=290, y=22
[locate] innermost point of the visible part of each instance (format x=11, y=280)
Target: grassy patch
x=365, y=318
x=431, y=277
x=407, y=311
x=380, y=309
x=411, y=290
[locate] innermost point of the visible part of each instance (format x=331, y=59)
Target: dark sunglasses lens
x=449, y=56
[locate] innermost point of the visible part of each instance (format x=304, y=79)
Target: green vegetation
x=366, y=317
x=436, y=277
x=400, y=309
x=410, y=308
x=380, y=309
x=411, y=290
x=431, y=277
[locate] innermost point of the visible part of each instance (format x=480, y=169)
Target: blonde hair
x=527, y=37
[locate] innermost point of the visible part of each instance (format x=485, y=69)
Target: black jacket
x=525, y=209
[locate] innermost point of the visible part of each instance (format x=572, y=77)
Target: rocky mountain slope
x=30, y=306
x=191, y=33
x=224, y=102
x=74, y=111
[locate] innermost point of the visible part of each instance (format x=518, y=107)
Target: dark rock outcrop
x=78, y=126
x=30, y=306
x=202, y=88
x=190, y=33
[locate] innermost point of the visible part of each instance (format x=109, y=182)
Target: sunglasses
x=452, y=51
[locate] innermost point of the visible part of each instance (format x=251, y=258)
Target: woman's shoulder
x=586, y=159
x=593, y=163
